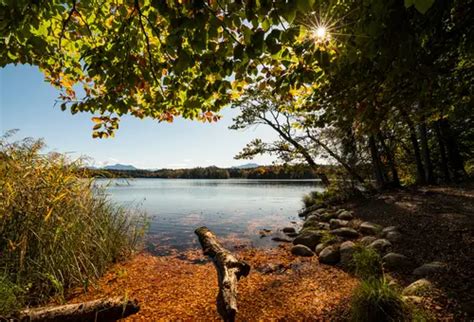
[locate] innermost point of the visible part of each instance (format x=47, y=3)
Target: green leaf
x=423, y=5
x=408, y=3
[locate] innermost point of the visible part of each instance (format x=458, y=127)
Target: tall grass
x=57, y=230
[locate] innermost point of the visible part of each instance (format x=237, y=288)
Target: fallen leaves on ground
x=184, y=286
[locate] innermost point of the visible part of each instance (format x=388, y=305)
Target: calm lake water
x=235, y=209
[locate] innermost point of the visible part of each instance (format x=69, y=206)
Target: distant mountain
x=247, y=166
x=120, y=167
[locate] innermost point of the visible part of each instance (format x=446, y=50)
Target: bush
x=312, y=198
x=367, y=263
x=57, y=230
x=375, y=300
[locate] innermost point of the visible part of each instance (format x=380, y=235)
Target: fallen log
x=111, y=309
x=229, y=271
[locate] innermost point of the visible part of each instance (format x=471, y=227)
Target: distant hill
x=247, y=166
x=119, y=167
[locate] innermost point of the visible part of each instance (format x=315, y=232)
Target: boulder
x=345, y=232
x=308, y=238
x=326, y=217
x=428, y=269
x=367, y=240
x=292, y=235
x=337, y=223
x=368, y=228
x=324, y=226
x=381, y=246
x=301, y=250
x=420, y=287
x=329, y=255
x=389, y=229
x=346, y=251
x=289, y=230
x=319, y=248
x=394, y=261
x=393, y=236
x=345, y=215
x=312, y=208
x=282, y=239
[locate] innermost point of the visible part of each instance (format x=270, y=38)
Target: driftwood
x=111, y=309
x=229, y=271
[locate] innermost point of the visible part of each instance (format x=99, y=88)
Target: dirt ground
x=437, y=224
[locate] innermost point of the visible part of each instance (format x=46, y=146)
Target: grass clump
x=367, y=263
x=312, y=198
x=375, y=300
x=57, y=230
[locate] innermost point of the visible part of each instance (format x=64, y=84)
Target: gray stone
x=420, y=287
x=381, y=246
x=412, y=299
x=368, y=228
x=367, y=240
x=345, y=232
x=324, y=225
x=282, y=239
x=301, y=250
x=319, y=248
x=346, y=251
x=312, y=208
x=394, y=261
x=430, y=269
x=393, y=236
x=337, y=223
x=289, y=230
x=292, y=235
x=389, y=229
x=329, y=255
x=308, y=238
x=345, y=215
x=325, y=217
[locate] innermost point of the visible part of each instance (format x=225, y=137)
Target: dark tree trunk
x=429, y=178
x=454, y=157
x=391, y=161
x=376, y=163
x=420, y=172
x=442, y=152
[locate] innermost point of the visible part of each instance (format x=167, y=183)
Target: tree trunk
x=391, y=161
x=229, y=271
x=420, y=172
x=376, y=164
x=454, y=157
x=442, y=152
x=426, y=153
x=111, y=309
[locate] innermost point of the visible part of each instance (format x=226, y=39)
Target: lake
x=235, y=209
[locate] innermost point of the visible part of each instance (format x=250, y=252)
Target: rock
x=393, y=236
x=329, y=255
x=289, y=230
x=340, y=211
x=308, y=238
x=292, y=235
x=394, y=261
x=346, y=251
x=319, y=248
x=312, y=208
x=337, y=223
x=324, y=226
x=311, y=221
x=367, y=240
x=412, y=299
x=368, y=228
x=381, y=246
x=264, y=232
x=345, y=232
x=282, y=239
x=430, y=269
x=326, y=217
x=345, y=215
x=301, y=250
x=420, y=287
x=389, y=229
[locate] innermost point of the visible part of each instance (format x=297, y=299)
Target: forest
x=372, y=98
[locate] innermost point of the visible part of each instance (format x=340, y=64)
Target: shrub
x=375, y=300
x=367, y=263
x=312, y=198
x=57, y=230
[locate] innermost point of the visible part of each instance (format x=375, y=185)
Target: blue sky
x=27, y=104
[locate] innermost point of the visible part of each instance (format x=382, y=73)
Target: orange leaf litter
x=183, y=287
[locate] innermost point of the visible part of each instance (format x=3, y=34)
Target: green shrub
x=312, y=198
x=367, y=263
x=57, y=230
x=375, y=300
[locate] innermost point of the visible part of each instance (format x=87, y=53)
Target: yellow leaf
x=96, y=120
x=50, y=211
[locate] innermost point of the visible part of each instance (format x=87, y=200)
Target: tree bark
x=420, y=172
x=229, y=271
x=391, y=161
x=376, y=164
x=111, y=309
x=426, y=153
x=442, y=151
x=454, y=157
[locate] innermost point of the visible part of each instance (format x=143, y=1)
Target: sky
x=27, y=103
